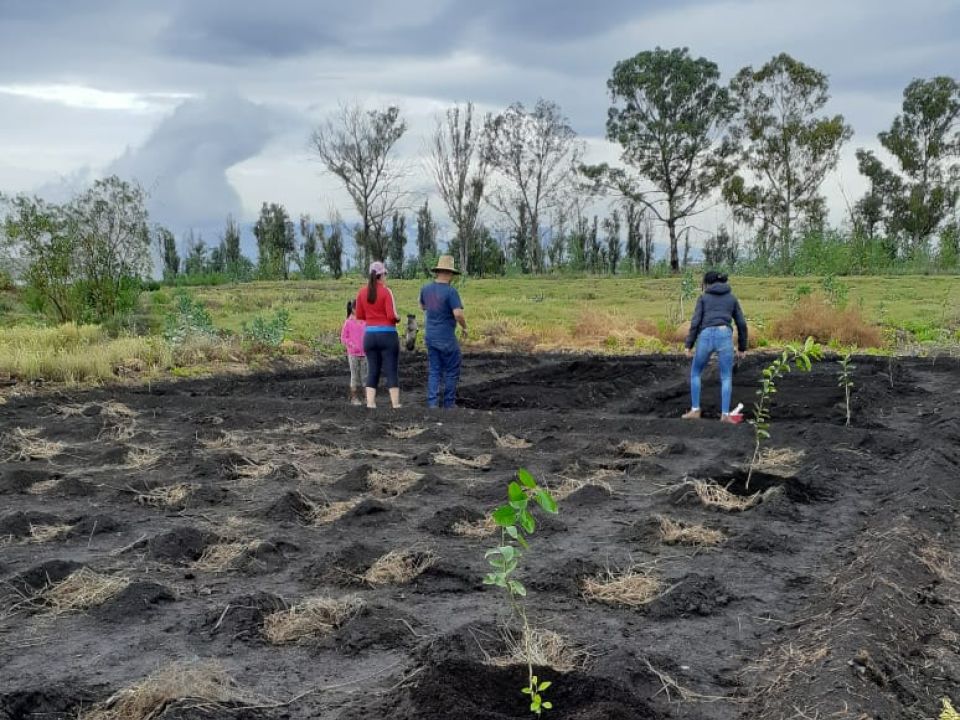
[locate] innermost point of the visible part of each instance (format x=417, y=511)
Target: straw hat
x=446, y=264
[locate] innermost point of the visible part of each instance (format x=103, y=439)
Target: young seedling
x=798, y=356
x=517, y=524
x=846, y=380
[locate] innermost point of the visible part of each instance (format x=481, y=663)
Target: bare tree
x=355, y=145
x=458, y=161
x=535, y=154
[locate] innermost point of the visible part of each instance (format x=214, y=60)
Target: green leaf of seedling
x=515, y=493
x=533, y=681
x=517, y=588
x=546, y=501
x=509, y=552
x=548, y=705
x=527, y=522
x=526, y=691
x=545, y=684
x=526, y=478
x=523, y=543
x=512, y=531
x=504, y=516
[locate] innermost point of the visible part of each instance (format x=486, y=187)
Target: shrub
x=189, y=318
x=268, y=332
x=814, y=317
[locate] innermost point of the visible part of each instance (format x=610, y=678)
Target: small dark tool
x=410, y=341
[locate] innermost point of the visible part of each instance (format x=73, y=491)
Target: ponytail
x=372, y=288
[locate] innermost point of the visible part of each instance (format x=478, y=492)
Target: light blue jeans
x=712, y=340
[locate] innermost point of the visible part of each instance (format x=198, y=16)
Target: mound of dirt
x=14, y=478
x=382, y=626
x=18, y=524
x=54, y=700
x=242, y=616
x=368, y=513
x=443, y=520
x=89, y=525
x=355, y=480
x=182, y=545
x=135, y=603
x=43, y=575
x=343, y=567
x=694, y=594
x=292, y=506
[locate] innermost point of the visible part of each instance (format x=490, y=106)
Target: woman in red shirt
x=381, y=343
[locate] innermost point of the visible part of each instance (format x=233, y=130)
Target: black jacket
x=718, y=307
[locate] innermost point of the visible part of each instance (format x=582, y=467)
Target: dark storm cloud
x=183, y=164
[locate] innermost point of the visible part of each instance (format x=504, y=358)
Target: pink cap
x=378, y=267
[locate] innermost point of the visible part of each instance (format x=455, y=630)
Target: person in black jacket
x=712, y=332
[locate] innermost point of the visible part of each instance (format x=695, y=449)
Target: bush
x=189, y=318
x=268, y=332
x=814, y=316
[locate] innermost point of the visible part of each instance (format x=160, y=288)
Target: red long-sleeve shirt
x=382, y=312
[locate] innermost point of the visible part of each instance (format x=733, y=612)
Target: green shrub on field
x=268, y=332
x=189, y=318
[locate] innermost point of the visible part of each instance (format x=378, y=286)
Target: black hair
x=714, y=276
x=372, y=288
x=351, y=305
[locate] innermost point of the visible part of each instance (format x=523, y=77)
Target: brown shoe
x=727, y=419
x=691, y=415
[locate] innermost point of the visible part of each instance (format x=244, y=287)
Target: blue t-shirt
x=440, y=300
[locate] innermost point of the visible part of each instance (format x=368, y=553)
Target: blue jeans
x=717, y=340
x=445, y=365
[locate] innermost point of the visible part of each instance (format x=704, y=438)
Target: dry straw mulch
x=309, y=619
x=640, y=449
x=570, y=483
x=630, y=588
x=779, y=461
x=673, y=532
x=204, y=683
x=82, y=590
x=48, y=533
x=333, y=511
x=392, y=482
x=541, y=647
x=510, y=442
x=167, y=495
x=398, y=567
x=222, y=557
x=405, y=432
x=26, y=444
x=445, y=456
x=484, y=527
x=713, y=495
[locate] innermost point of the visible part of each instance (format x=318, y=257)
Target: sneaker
x=727, y=419
x=691, y=415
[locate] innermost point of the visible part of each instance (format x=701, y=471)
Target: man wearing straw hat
x=441, y=303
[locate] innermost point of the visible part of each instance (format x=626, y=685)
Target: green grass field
x=565, y=312
x=611, y=315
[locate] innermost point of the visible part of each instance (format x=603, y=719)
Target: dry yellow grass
x=44, y=486
x=222, y=557
x=167, y=495
x=673, y=532
x=139, y=457
x=253, y=470
x=392, y=482
x=48, y=533
x=712, y=495
x=445, y=456
x=510, y=442
x=26, y=444
x=82, y=590
x=405, y=432
x=814, y=317
x=309, y=619
x=398, y=567
x=484, y=527
x=109, y=408
x=333, y=511
x=629, y=588
x=640, y=449
x=204, y=682
x=570, y=484
x=779, y=461
x=545, y=648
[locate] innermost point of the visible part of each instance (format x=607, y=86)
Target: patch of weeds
x=189, y=318
x=268, y=332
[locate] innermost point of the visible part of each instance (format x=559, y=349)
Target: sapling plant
x=799, y=356
x=517, y=524
x=846, y=380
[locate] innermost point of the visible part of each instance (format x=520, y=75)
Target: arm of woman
x=391, y=307
x=741, y=322
x=361, y=306
x=695, y=324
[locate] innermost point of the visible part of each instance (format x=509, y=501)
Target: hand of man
x=741, y=354
x=688, y=352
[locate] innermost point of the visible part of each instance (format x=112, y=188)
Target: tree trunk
x=464, y=249
x=674, y=255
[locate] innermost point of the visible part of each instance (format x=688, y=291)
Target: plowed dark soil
x=223, y=501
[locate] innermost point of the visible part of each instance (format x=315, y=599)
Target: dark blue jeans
x=383, y=353
x=445, y=365
x=711, y=340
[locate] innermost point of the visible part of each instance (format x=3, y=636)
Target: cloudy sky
x=210, y=103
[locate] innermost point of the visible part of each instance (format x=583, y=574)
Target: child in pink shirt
x=352, y=338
